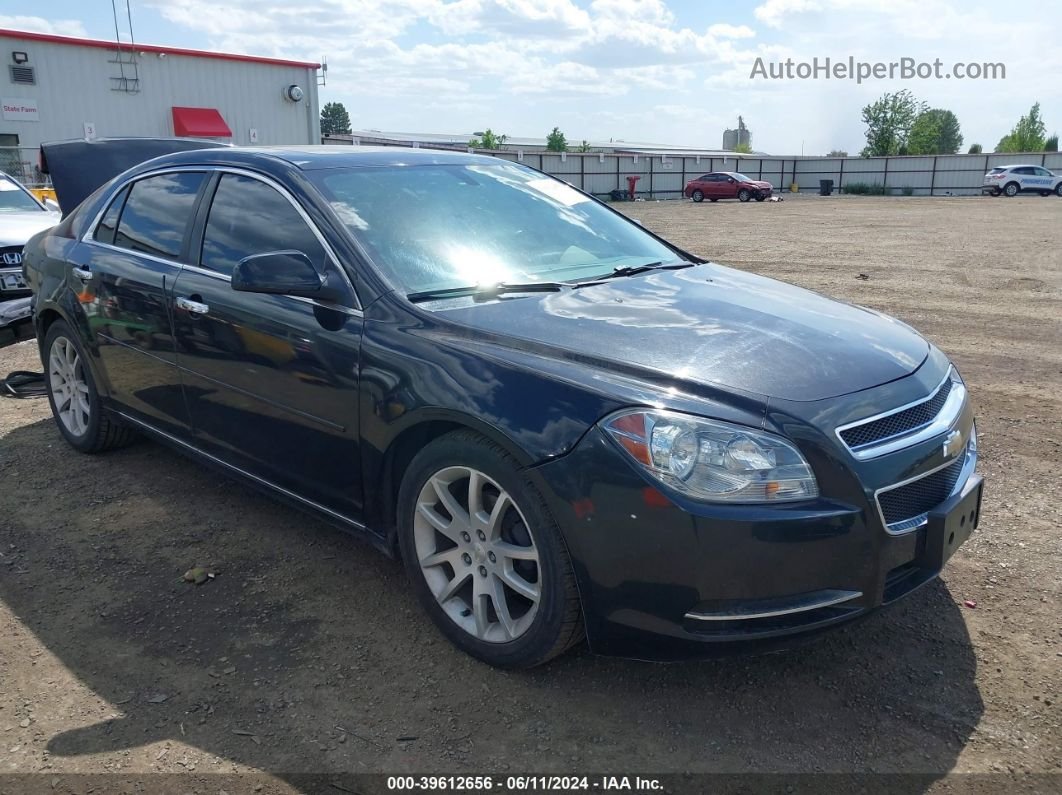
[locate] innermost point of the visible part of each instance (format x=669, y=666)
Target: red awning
x=199, y=123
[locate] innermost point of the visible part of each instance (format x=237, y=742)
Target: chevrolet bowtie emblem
x=952, y=444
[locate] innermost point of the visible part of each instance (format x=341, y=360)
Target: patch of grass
x=865, y=188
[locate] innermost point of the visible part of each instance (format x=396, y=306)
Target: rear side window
x=997, y=170
x=157, y=212
x=248, y=217
x=109, y=222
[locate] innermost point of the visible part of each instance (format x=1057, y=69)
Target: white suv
x=1012, y=180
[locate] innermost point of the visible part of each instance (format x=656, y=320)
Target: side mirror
x=283, y=273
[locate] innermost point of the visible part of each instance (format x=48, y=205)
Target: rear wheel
x=1058, y=189
x=697, y=196
x=484, y=555
x=1011, y=189
x=73, y=397
x=743, y=195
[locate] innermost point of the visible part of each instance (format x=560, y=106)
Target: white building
x=56, y=88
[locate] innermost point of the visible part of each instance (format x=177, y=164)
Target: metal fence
x=663, y=176
x=21, y=163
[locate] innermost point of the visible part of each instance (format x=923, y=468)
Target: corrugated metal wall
x=665, y=177
x=74, y=86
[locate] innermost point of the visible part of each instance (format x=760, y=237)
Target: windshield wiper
x=631, y=270
x=483, y=293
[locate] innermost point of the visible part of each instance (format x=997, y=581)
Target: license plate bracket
x=952, y=522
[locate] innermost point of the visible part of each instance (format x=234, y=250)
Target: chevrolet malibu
x=566, y=427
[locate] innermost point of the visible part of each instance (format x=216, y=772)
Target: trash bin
x=825, y=187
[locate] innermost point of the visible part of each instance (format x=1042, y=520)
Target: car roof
x=311, y=158
x=1021, y=165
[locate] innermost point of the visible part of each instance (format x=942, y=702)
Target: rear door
x=126, y=268
x=271, y=380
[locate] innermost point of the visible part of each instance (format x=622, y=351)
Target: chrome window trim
x=90, y=232
x=797, y=605
x=268, y=483
x=945, y=418
x=920, y=520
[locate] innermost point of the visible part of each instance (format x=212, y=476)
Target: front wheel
x=73, y=397
x=1011, y=189
x=697, y=196
x=1058, y=189
x=484, y=554
x=761, y=198
x=743, y=195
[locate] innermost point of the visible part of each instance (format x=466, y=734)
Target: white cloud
x=61, y=27
x=725, y=31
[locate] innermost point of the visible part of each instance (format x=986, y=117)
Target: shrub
x=907, y=190
x=865, y=188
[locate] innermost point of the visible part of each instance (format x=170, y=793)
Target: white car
x=1012, y=180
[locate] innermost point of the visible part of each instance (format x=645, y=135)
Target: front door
x=126, y=271
x=271, y=380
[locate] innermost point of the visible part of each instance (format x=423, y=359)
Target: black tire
x=761, y=198
x=1058, y=189
x=697, y=195
x=744, y=195
x=102, y=431
x=713, y=200
x=1045, y=193
x=557, y=624
x=1011, y=189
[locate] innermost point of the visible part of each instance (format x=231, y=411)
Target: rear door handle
x=192, y=307
x=82, y=273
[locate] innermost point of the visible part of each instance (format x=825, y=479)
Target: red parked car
x=727, y=185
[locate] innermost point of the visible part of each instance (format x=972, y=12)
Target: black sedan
x=566, y=427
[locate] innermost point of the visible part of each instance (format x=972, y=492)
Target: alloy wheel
x=70, y=391
x=477, y=554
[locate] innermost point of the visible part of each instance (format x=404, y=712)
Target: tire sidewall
x=1011, y=189
x=85, y=441
x=743, y=195
x=1058, y=189
x=457, y=450
x=697, y=196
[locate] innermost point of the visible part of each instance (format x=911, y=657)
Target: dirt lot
x=308, y=654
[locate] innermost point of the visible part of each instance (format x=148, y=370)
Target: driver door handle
x=192, y=307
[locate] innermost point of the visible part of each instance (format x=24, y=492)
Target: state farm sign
x=20, y=109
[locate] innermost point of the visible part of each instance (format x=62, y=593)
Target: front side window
x=248, y=217
x=446, y=226
x=157, y=212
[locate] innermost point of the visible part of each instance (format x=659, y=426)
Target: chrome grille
x=906, y=421
x=913, y=500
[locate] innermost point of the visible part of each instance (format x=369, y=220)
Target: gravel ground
x=307, y=654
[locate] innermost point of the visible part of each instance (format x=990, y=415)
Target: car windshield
x=742, y=177
x=436, y=227
x=14, y=199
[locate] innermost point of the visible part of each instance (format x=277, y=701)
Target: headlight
x=711, y=460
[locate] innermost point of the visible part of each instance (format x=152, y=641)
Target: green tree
x=1027, y=135
x=584, y=146
x=975, y=149
x=488, y=139
x=837, y=153
x=889, y=121
x=935, y=132
x=334, y=119
x=556, y=142
x=743, y=148
x=1051, y=144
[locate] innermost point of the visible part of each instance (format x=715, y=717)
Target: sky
x=660, y=71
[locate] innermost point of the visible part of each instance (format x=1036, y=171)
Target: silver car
x=21, y=217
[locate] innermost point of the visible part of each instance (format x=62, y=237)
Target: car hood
x=757, y=183
x=18, y=227
x=714, y=326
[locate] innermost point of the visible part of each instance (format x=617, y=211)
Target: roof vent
x=24, y=75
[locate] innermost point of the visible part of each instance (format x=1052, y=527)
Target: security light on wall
x=19, y=57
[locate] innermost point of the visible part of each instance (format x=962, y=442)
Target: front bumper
x=662, y=578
